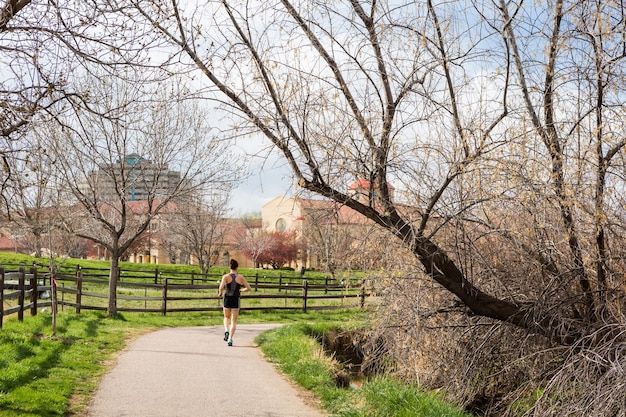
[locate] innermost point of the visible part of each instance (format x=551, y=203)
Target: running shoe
x=226, y=334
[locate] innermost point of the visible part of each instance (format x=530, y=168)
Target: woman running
x=231, y=287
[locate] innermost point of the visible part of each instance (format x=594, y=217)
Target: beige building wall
x=159, y=255
x=281, y=214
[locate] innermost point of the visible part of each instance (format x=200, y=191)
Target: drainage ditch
x=359, y=357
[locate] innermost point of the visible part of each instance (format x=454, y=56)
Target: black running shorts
x=231, y=302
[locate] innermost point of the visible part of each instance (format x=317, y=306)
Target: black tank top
x=233, y=287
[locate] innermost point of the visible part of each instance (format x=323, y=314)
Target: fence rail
x=153, y=293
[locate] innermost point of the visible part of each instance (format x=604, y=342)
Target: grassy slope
x=300, y=357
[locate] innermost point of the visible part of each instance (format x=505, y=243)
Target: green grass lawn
x=44, y=375
x=11, y=261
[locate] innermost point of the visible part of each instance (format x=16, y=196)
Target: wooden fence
x=140, y=292
x=28, y=289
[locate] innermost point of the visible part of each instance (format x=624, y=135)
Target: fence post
x=280, y=281
x=54, y=303
x=326, y=284
x=362, y=294
x=256, y=282
x=79, y=288
x=156, y=275
x=305, y=294
x=34, y=295
x=20, y=288
x=164, y=304
x=1, y=296
x=192, y=277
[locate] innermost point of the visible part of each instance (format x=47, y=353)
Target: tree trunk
x=114, y=277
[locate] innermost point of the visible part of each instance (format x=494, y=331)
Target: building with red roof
x=323, y=223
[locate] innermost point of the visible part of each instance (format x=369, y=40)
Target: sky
x=267, y=180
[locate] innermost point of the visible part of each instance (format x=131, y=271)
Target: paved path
x=191, y=372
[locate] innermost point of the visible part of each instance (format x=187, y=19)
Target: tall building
x=138, y=179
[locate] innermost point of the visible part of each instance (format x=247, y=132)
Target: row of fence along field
x=168, y=292
x=158, y=292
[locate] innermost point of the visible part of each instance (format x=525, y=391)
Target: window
x=281, y=225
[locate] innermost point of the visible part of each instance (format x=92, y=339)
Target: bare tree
x=353, y=113
x=343, y=95
x=328, y=237
x=28, y=196
x=201, y=228
x=152, y=150
x=43, y=46
x=505, y=123
x=255, y=244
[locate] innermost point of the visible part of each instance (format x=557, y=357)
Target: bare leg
x=227, y=316
x=233, y=322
